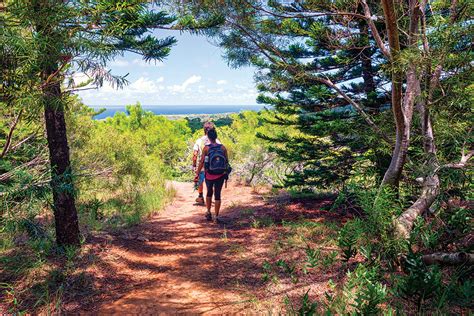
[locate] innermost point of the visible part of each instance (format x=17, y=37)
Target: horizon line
x=182, y=105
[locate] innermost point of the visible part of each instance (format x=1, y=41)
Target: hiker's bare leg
x=209, y=194
x=208, y=206
x=217, y=197
x=208, y=203
x=217, y=207
x=200, y=198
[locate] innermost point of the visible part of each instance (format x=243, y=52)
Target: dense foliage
x=120, y=173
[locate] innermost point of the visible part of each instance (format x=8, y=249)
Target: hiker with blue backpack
x=197, y=154
x=214, y=160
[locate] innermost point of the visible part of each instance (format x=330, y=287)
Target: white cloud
x=143, y=85
x=241, y=87
x=216, y=90
x=221, y=82
x=182, y=87
x=136, y=62
x=156, y=90
x=140, y=88
x=191, y=80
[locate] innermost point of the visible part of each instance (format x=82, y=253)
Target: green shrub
x=372, y=233
x=364, y=289
x=313, y=257
x=348, y=238
x=420, y=283
x=306, y=307
x=461, y=220
x=126, y=159
x=288, y=268
x=361, y=294
x=426, y=234
x=266, y=271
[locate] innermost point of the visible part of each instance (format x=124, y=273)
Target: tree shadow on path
x=179, y=262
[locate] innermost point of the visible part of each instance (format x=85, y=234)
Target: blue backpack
x=216, y=162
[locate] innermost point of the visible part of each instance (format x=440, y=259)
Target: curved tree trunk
x=403, y=120
x=402, y=126
x=403, y=114
x=431, y=183
x=429, y=193
x=402, y=109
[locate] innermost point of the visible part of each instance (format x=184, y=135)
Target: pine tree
x=300, y=59
x=82, y=36
x=327, y=147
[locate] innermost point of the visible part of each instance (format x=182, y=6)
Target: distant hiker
x=214, y=160
x=198, y=148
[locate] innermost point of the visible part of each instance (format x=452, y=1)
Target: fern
x=313, y=257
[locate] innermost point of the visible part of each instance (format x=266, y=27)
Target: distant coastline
x=180, y=110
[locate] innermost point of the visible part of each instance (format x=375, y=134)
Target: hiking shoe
x=200, y=200
x=209, y=216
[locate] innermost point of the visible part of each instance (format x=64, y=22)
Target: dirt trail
x=177, y=262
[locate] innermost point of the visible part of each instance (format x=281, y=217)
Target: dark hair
x=208, y=126
x=212, y=134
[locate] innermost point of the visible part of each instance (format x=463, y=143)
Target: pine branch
x=10, y=134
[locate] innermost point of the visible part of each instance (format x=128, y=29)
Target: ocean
x=180, y=109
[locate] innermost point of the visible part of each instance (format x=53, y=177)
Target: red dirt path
x=177, y=262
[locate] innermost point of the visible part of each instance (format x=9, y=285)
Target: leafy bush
x=364, y=289
x=348, y=238
x=306, y=307
x=461, y=220
x=122, y=163
x=361, y=294
x=249, y=155
x=421, y=282
x=372, y=233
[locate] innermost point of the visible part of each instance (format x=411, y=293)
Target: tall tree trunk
x=62, y=186
x=65, y=213
x=393, y=174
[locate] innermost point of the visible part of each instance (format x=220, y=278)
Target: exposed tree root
x=404, y=223
x=448, y=258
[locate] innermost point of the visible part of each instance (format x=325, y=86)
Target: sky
x=193, y=74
